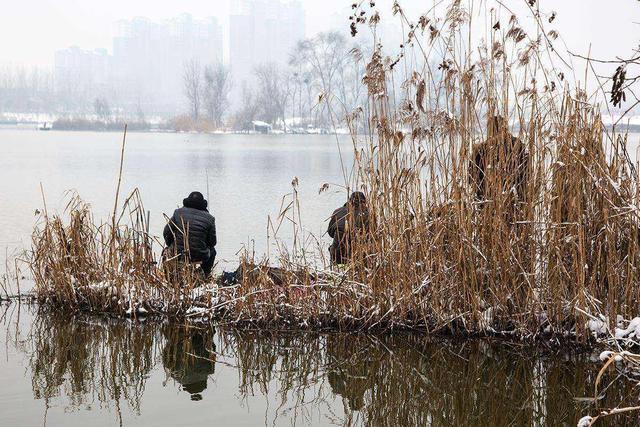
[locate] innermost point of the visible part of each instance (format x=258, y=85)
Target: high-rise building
x=149, y=59
x=262, y=31
x=80, y=76
x=145, y=72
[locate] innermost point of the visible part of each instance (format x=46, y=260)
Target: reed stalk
x=550, y=233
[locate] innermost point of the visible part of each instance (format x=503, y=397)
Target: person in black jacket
x=351, y=218
x=500, y=164
x=192, y=232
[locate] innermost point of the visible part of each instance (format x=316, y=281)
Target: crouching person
x=345, y=223
x=191, y=233
x=500, y=165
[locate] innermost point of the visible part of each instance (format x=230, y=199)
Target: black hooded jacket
x=200, y=227
x=345, y=221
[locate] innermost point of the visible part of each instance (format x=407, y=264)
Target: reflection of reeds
x=83, y=359
x=262, y=358
x=400, y=379
x=407, y=380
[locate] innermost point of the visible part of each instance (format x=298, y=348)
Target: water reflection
x=189, y=357
x=84, y=359
x=352, y=367
x=343, y=379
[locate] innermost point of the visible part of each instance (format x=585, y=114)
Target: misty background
x=204, y=65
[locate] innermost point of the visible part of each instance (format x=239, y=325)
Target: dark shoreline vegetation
x=78, y=124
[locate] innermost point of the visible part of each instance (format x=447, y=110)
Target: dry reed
x=523, y=257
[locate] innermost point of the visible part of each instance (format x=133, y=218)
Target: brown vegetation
x=525, y=257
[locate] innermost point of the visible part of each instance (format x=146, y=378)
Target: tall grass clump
x=498, y=202
x=80, y=264
x=499, y=199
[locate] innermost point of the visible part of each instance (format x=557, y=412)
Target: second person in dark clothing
x=191, y=232
x=345, y=222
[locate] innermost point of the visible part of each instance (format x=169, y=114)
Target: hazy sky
x=31, y=30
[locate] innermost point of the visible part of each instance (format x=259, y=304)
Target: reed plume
x=499, y=204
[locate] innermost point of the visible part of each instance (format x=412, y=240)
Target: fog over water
x=31, y=30
x=124, y=60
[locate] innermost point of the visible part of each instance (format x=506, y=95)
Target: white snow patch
x=606, y=355
x=598, y=327
x=192, y=311
x=585, y=421
x=631, y=331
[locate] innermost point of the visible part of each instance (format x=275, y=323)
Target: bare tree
x=303, y=80
x=274, y=89
x=248, y=110
x=102, y=109
x=192, y=79
x=217, y=86
x=26, y=90
x=327, y=57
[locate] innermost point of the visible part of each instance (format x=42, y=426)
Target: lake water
x=248, y=177
x=102, y=372
x=97, y=371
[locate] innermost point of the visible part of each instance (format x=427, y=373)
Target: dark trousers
x=338, y=253
x=207, y=264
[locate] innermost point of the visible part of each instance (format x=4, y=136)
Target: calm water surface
x=81, y=371
x=94, y=371
x=248, y=176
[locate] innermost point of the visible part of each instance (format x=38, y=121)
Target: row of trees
x=207, y=88
x=321, y=81
x=25, y=89
x=36, y=90
x=327, y=65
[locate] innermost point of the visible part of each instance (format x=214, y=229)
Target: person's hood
x=195, y=201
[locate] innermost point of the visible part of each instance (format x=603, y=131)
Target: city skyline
x=32, y=30
x=144, y=69
x=140, y=69
x=40, y=52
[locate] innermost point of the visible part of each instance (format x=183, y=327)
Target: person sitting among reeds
x=191, y=233
x=345, y=223
x=499, y=165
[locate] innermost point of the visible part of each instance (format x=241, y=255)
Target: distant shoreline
x=32, y=126
x=35, y=127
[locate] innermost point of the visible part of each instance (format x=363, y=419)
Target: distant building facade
x=149, y=59
x=144, y=74
x=80, y=76
x=262, y=31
